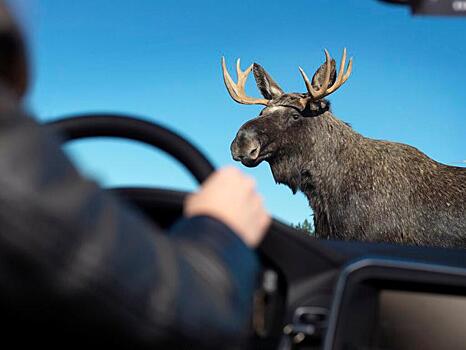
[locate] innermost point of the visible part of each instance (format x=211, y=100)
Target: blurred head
x=13, y=60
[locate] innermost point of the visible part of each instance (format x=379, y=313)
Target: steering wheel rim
x=130, y=127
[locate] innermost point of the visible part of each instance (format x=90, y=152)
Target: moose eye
x=295, y=116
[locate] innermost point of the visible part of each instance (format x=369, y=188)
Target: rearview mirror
x=433, y=7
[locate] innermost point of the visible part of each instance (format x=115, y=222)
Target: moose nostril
x=254, y=153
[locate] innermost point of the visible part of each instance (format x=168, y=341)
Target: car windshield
x=160, y=60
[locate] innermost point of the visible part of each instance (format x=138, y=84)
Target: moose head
x=288, y=118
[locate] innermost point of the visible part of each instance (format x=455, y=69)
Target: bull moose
x=359, y=188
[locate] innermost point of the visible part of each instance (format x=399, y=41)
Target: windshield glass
x=161, y=60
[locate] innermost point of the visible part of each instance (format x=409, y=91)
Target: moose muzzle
x=246, y=147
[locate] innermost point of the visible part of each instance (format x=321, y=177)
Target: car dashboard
x=322, y=294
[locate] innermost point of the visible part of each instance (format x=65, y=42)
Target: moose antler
x=324, y=89
x=237, y=90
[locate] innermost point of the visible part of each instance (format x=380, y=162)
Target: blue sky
x=161, y=60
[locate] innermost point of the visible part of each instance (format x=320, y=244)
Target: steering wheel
x=163, y=206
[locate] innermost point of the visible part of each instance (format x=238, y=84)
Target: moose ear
x=319, y=75
x=267, y=86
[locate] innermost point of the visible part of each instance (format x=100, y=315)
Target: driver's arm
x=63, y=237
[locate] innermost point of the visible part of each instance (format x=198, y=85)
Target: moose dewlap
x=359, y=188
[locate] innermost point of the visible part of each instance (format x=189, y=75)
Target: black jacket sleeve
x=64, y=241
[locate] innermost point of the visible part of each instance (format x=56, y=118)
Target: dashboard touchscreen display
x=413, y=320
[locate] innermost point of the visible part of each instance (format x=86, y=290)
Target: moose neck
x=317, y=163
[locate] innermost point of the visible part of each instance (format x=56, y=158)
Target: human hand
x=230, y=196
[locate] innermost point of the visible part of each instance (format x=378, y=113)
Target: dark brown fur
x=358, y=188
